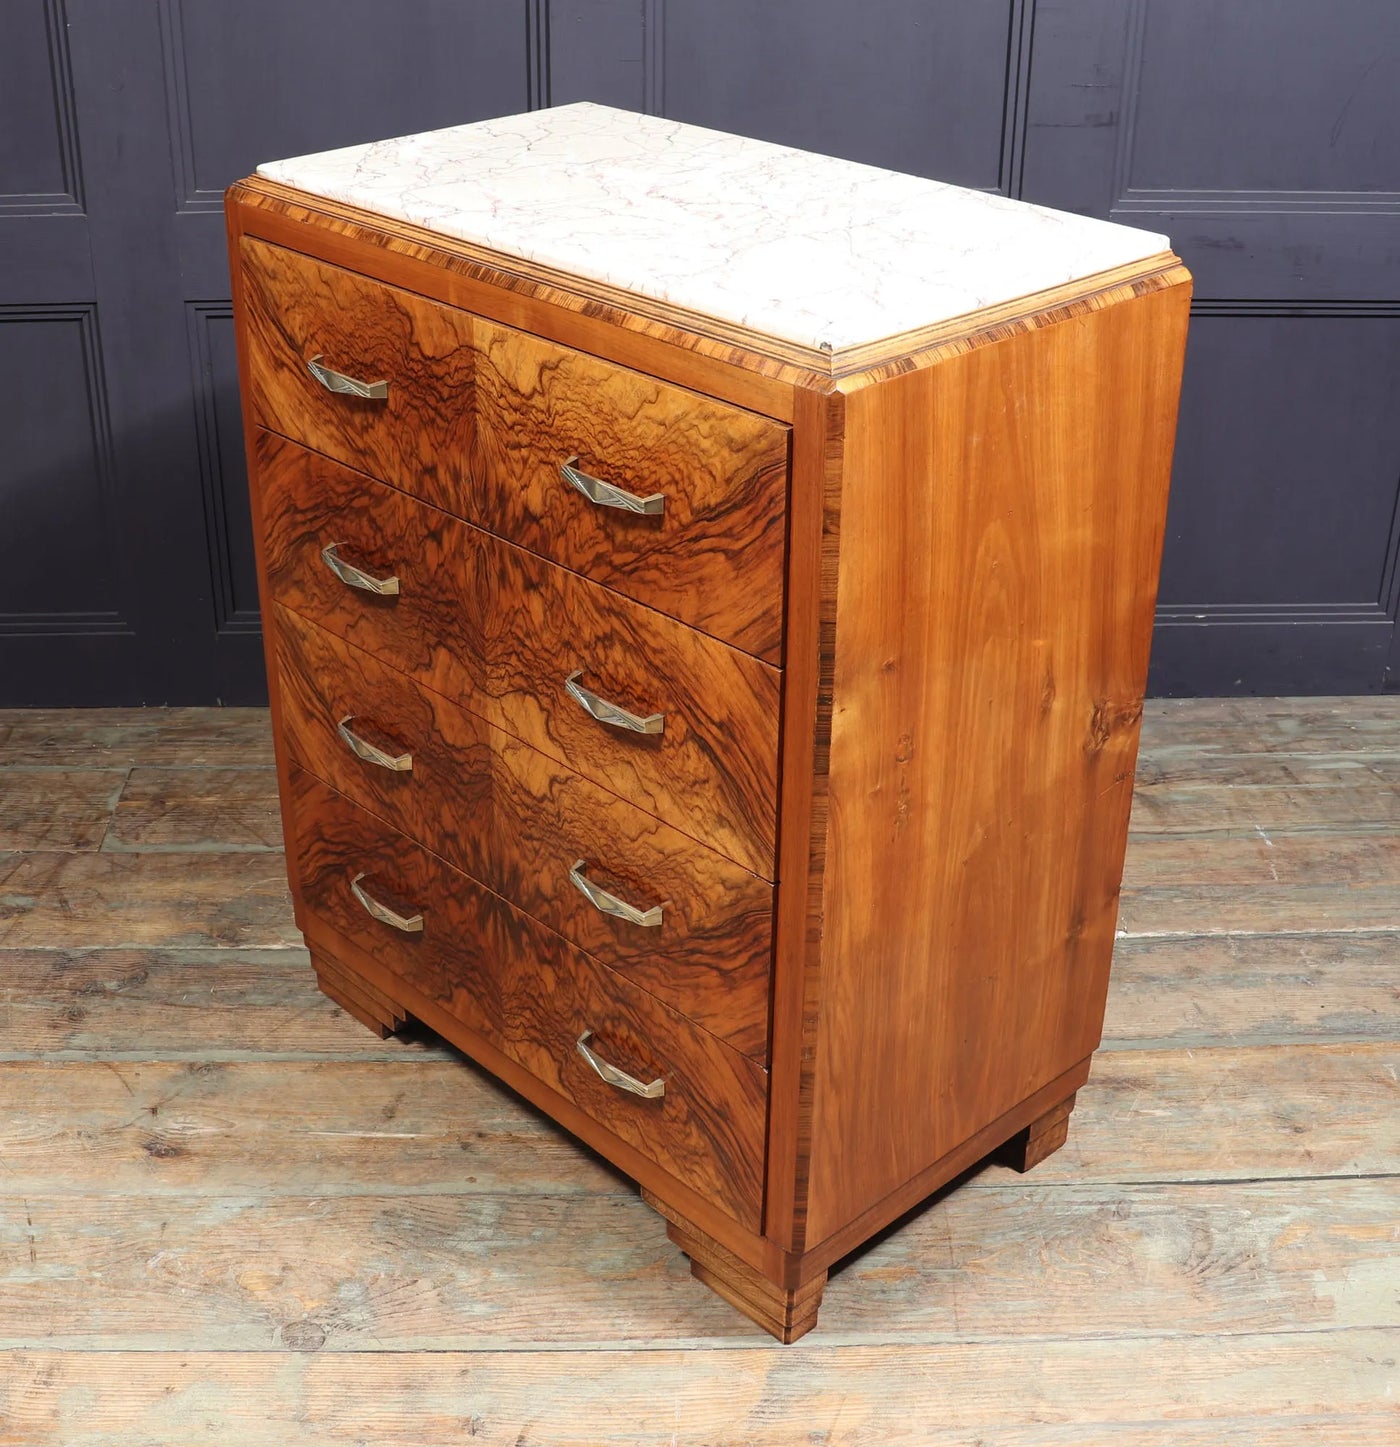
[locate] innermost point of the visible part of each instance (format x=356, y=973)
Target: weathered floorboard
x=1181, y=768
x=197, y=810
x=1259, y=812
x=436, y=1272
x=1232, y=1114
x=280, y=1127
x=1269, y=989
x=1271, y=725
x=119, y=738
x=1244, y=909
x=216, y=1004
x=1350, y=860
x=412, y=1124
x=55, y=901
x=56, y=808
x=198, y=1151
x=1334, y=1390
x=191, y=1004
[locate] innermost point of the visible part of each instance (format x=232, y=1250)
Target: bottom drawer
x=515, y=982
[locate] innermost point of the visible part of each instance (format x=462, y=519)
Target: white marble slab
x=797, y=246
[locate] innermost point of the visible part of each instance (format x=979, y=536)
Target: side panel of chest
x=1001, y=525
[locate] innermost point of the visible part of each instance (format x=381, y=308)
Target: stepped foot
x=1043, y=1137
x=368, y=1004
x=785, y=1313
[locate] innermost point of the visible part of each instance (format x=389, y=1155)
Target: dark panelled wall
x=1262, y=135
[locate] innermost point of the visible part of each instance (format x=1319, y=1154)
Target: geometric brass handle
x=611, y=713
x=606, y=903
x=606, y=495
x=411, y=924
x=619, y=1078
x=402, y=763
x=334, y=381
x=357, y=577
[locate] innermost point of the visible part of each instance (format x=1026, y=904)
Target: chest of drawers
x=707, y=593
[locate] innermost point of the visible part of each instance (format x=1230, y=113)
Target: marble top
x=829, y=254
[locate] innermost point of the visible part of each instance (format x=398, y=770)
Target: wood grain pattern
x=968, y=601
x=797, y=1267
x=120, y=738
x=818, y=448
x=541, y=299
x=574, y=1118
x=273, y=1119
x=180, y=1003
x=528, y=992
x=1335, y=1390
x=62, y=901
x=491, y=285
x=530, y=406
x=714, y=559
x=1338, y=857
x=517, y=821
x=296, y=308
x=197, y=809
x=402, y=1272
x=1365, y=805
x=401, y=1124
x=1333, y=883
x=1190, y=768
x=1268, y=991
x=785, y=1312
x=417, y=1201
x=491, y=625
x=1224, y=1113
x=1001, y=524
x=243, y=302
x=57, y=808
x=379, y=1015
x=1040, y=1139
x=1279, y=729
x=1260, y=988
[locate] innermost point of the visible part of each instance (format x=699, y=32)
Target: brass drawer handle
x=619, y=1078
x=610, y=713
x=334, y=381
x=606, y=903
x=401, y=763
x=355, y=577
x=606, y=495
x=410, y=924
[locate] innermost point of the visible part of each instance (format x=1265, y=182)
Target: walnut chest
x=707, y=591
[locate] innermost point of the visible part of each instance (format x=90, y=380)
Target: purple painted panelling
x=1260, y=135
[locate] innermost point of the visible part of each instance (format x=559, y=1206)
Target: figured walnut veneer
x=500, y=630
x=517, y=820
x=517, y=983
x=479, y=418
x=897, y=616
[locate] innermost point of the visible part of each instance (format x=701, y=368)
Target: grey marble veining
x=801, y=247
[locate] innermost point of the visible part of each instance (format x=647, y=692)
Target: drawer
x=711, y=554
x=504, y=429
x=510, y=636
x=700, y=932
x=532, y=996
x=418, y=434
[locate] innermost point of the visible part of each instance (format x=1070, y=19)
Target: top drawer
x=669, y=497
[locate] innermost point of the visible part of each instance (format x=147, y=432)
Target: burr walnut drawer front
x=669, y=1089
x=356, y=369
x=676, y=918
x=671, y=497
x=672, y=720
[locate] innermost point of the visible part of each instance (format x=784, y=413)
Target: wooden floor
x=229, y=1215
